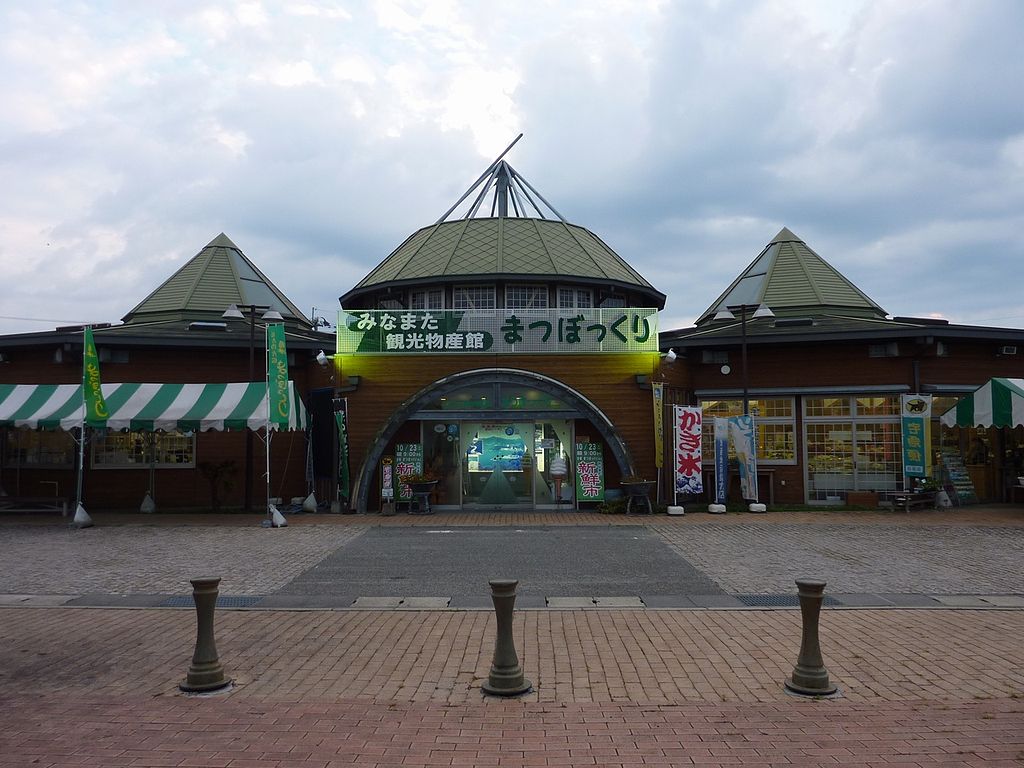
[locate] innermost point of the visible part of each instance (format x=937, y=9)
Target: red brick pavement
x=614, y=688
x=235, y=734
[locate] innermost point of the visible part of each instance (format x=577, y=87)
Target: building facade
x=177, y=335
x=823, y=371
x=486, y=350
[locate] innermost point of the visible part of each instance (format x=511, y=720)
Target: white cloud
x=318, y=135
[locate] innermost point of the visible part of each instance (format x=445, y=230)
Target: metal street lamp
x=235, y=312
x=761, y=311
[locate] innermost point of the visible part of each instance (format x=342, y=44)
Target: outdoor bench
x=915, y=500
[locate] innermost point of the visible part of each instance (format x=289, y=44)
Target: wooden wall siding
x=609, y=381
x=848, y=364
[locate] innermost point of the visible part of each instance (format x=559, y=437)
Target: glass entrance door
x=498, y=464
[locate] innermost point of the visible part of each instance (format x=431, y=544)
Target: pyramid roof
x=793, y=280
x=216, y=277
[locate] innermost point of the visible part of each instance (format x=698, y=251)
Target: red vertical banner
x=688, y=424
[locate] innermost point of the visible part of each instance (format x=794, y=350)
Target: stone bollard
x=810, y=678
x=506, y=676
x=205, y=674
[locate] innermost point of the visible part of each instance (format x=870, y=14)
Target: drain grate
x=779, y=601
x=223, y=601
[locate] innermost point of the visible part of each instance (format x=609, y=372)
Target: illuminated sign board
x=527, y=331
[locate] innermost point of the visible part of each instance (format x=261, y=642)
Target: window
x=474, y=297
x=774, y=422
x=852, y=444
x=526, y=297
x=714, y=356
x=429, y=299
x=827, y=406
x=890, y=349
x=613, y=301
x=575, y=298
x=24, y=448
x=140, y=450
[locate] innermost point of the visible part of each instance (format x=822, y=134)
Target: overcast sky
x=318, y=135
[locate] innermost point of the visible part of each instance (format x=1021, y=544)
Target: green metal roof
x=793, y=280
x=503, y=246
x=507, y=245
x=216, y=277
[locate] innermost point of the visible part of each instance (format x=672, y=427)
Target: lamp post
x=760, y=312
x=235, y=312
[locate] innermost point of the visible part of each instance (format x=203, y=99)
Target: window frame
x=736, y=409
x=534, y=291
x=150, y=446
x=470, y=291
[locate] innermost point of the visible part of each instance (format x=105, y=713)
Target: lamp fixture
x=271, y=314
x=670, y=356
x=322, y=359
x=233, y=313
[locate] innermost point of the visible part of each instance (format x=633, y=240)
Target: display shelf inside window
x=142, y=450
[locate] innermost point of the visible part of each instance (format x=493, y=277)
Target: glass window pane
x=878, y=406
x=475, y=297
x=140, y=450
x=39, y=448
x=827, y=406
x=526, y=297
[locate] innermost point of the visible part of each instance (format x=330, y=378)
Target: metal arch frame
x=413, y=405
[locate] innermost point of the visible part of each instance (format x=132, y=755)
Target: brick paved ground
x=967, y=551
x=125, y=559
x=612, y=688
x=90, y=686
x=855, y=557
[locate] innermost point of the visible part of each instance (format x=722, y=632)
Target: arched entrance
x=530, y=409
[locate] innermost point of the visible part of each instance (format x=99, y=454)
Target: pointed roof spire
x=216, y=277
x=785, y=236
x=792, y=279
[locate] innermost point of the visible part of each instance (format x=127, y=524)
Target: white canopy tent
x=148, y=407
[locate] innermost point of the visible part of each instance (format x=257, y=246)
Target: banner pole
x=266, y=352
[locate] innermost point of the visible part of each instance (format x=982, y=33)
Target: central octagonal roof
x=504, y=247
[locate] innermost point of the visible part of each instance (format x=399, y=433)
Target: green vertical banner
x=589, y=462
x=96, y=413
x=916, y=418
x=277, y=374
x=408, y=461
x=658, y=396
x=341, y=419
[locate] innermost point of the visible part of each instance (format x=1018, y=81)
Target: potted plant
x=420, y=482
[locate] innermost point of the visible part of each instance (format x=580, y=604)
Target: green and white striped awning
x=999, y=403
x=147, y=407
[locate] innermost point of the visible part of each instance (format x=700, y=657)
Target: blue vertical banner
x=741, y=430
x=916, y=418
x=721, y=460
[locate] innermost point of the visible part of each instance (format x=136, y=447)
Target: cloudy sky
x=318, y=134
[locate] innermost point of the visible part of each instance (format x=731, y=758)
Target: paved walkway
x=613, y=687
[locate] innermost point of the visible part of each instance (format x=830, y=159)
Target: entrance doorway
x=499, y=464
x=543, y=414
